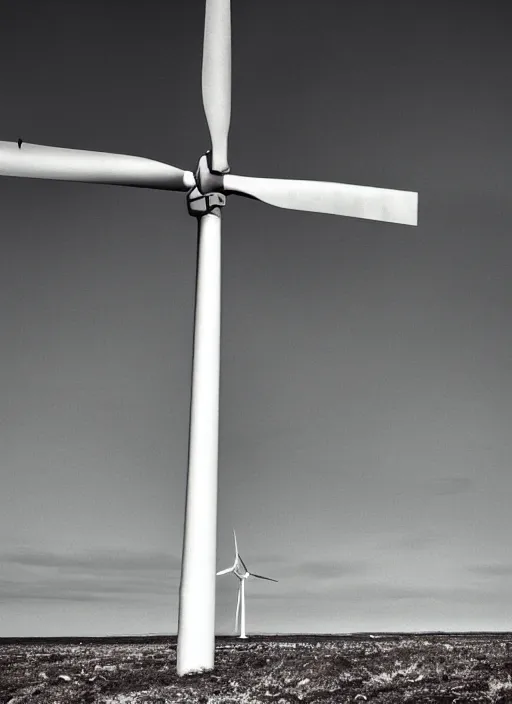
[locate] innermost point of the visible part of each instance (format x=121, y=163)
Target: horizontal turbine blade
x=335, y=198
x=229, y=569
x=216, y=78
x=37, y=161
x=259, y=576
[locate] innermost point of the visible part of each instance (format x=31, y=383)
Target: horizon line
x=260, y=633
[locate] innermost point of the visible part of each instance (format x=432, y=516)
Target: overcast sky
x=366, y=390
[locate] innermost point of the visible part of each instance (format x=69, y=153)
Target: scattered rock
x=106, y=668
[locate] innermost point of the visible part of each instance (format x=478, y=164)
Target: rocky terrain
x=284, y=670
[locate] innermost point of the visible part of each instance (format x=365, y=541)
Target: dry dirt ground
x=308, y=669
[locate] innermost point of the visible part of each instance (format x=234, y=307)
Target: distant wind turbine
x=239, y=569
x=207, y=191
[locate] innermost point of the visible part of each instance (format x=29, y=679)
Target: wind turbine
x=207, y=191
x=239, y=569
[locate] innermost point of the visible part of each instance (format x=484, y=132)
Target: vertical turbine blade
x=236, y=546
x=216, y=79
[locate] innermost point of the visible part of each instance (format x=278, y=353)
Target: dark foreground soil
x=384, y=669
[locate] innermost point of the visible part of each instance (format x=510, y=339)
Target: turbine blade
x=335, y=198
x=237, y=608
x=38, y=161
x=236, y=545
x=243, y=564
x=229, y=569
x=259, y=576
x=216, y=79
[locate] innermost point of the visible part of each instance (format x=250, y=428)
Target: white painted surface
x=242, y=613
x=366, y=202
x=39, y=161
x=216, y=78
x=196, y=626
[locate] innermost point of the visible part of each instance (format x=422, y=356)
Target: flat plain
x=384, y=668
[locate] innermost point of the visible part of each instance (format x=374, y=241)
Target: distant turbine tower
x=206, y=190
x=240, y=570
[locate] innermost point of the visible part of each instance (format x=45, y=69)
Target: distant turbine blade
x=38, y=161
x=259, y=576
x=236, y=545
x=243, y=564
x=216, y=79
x=229, y=569
x=335, y=198
x=237, y=607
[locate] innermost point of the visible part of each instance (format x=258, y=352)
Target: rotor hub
x=208, y=194
x=208, y=181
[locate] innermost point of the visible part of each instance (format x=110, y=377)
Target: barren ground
x=309, y=669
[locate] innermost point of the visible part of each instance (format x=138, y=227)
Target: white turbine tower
x=239, y=569
x=206, y=190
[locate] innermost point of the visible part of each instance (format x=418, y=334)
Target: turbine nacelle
x=207, y=195
x=242, y=574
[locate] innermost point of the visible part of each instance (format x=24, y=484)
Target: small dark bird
x=20, y=142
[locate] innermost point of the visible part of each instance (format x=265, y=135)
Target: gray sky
x=366, y=393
